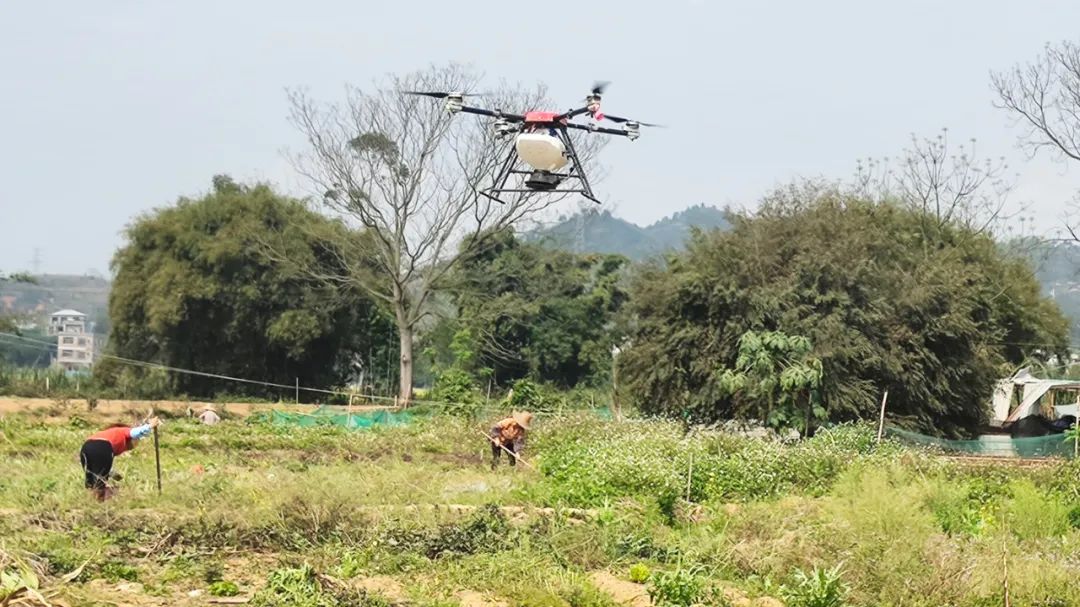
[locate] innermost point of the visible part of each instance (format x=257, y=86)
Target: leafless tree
x=944, y=185
x=1044, y=96
x=403, y=172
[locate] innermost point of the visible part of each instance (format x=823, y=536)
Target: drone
x=542, y=141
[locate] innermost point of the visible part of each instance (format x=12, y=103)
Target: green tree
x=7, y=322
x=774, y=377
x=193, y=290
x=525, y=310
x=931, y=311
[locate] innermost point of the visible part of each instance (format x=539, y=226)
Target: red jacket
x=119, y=437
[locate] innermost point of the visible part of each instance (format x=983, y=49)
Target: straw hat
x=208, y=407
x=523, y=418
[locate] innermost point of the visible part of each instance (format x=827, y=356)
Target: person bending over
x=509, y=435
x=99, y=450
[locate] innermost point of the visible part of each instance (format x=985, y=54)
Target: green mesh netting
x=324, y=416
x=335, y=416
x=1055, y=445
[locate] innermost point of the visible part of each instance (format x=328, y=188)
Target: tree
x=775, y=372
x=527, y=310
x=1044, y=96
x=941, y=184
x=7, y=323
x=933, y=315
x=405, y=170
x=193, y=291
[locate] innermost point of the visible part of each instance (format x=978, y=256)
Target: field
x=605, y=513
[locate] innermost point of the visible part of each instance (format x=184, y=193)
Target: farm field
x=604, y=513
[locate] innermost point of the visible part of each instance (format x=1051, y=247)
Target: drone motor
x=454, y=103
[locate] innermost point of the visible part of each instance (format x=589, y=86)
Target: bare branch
x=406, y=174
x=945, y=186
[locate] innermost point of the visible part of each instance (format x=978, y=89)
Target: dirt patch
x=470, y=598
x=384, y=586
x=621, y=591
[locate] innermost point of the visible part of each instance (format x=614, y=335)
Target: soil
x=470, y=598
x=621, y=591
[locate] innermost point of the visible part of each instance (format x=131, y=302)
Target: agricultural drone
x=543, y=142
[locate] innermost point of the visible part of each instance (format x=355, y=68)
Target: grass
x=349, y=518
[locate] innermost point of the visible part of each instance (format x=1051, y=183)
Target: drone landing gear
x=542, y=181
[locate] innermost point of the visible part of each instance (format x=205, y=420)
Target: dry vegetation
x=611, y=513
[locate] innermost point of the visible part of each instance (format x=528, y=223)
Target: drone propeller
x=441, y=95
x=622, y=120
x=599, y=86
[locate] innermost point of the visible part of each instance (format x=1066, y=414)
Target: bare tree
x=403, y=172
x=944, y=185
x=1044, y=96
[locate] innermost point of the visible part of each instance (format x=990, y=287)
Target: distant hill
x=35, y=302
x=1057, y=266
x=602, y=232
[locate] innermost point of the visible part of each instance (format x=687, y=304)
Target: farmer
x=208, y=416
x=509, y=434
x=99, y=450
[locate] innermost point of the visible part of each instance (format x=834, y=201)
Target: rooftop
x=68, y=312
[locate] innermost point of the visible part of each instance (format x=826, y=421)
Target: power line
x=150, y=365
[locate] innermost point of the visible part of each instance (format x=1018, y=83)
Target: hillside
x=602, y=232
x=52, y=292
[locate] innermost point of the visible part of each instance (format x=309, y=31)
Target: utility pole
x=35, y=261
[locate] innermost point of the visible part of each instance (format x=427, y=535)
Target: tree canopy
x=935, y=313
x=525, y=310
x=193, y=290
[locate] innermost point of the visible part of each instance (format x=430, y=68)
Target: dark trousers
x=497, y=447
x=96, y=457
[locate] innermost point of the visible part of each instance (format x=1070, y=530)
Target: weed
x=114, y=571
x=639, y=573
x=224, y=588
x=819, y=588
x=678, y=588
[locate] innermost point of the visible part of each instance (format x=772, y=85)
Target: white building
x=74, y=339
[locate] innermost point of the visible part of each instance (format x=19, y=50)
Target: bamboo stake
x=881, y=420
x=157, y=460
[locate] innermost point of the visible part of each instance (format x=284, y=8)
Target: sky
x=114, y=108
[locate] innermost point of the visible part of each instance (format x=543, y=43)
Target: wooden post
x=157, y=460
x=881, y=420
x=46, y=383
x=298, y=390
x=689, y=475
x=615, y=406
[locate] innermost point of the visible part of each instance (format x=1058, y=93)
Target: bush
x=639, y=573
x=457, y=392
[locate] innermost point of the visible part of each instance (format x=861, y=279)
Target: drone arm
x=492, y=113
x=572, y=114
x=599, y=129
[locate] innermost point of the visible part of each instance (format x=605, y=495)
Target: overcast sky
x=112, y=108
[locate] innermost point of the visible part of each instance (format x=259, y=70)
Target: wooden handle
x=157, y=460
